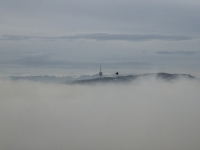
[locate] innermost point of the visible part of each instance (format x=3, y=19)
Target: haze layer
x=148, y=114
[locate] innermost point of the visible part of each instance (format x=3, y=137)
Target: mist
x=148, y=114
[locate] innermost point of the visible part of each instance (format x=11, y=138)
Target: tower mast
x=100, y=73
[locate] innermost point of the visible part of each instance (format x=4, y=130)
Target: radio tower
x=100, y=73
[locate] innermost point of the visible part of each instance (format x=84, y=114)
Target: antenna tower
x=100, y=73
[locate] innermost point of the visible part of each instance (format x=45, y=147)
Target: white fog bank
x=146, y=115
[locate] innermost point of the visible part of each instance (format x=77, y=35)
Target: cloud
x=127, y=37
x=180, y=17
x=16, y=37
x=147, y=114
x=177, y=52
x=45, y=60
x=49, y=64
x=102, y=37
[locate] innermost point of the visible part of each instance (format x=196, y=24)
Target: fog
x=148, y=114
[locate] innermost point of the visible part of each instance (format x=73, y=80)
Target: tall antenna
x=100, y=73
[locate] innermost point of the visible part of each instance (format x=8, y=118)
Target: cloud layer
x=148, y=114
x=177, y=52
x=102, y=37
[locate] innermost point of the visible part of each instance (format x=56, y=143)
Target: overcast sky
x=133, y=36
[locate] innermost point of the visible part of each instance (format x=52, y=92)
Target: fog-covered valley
x=148, y=114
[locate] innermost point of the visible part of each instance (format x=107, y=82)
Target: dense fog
x=149, y=114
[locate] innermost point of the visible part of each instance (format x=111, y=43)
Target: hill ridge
x=129, y=78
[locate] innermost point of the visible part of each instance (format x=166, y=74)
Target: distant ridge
x=168, y=76
x=129, y=78
x=51, y=79
x=94, y=79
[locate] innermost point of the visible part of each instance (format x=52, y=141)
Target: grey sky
x=98, y=31
x=177, y=52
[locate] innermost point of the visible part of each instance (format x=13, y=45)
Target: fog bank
x=148, y=114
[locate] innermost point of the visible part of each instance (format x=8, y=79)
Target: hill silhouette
x=130, y=78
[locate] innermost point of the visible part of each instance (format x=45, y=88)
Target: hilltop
x=130, y=78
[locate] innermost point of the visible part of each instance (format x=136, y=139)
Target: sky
x=66, y=37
